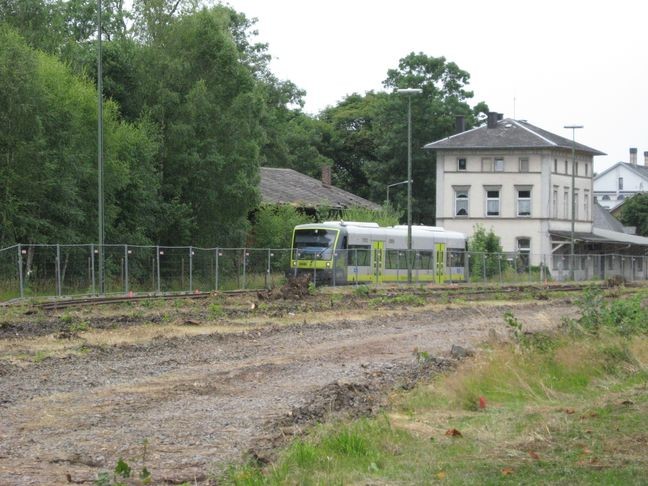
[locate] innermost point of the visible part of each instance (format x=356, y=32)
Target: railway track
x=453, y=290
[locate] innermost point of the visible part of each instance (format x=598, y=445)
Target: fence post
x=157, y=266
x=499, y=266
x=244, y=267
x=484, y=266
x=58, y=270
x=216, y=255
x=92, y=268
x=21, y=283
x=126, y=269
x=334, y=258
x=467, y=267
x=191, y=252
x=268, y=270
x=357, y=276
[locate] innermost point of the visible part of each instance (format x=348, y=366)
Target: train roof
x=355, y=227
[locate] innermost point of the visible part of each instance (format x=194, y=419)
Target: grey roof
x=605, y=229
x=508, y=134
x=640, y=170
x=287, y=186
x=602, y=219
x=604, y=236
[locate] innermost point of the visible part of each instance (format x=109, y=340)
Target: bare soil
x=194, y=402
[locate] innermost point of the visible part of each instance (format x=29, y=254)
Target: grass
x=573, y=412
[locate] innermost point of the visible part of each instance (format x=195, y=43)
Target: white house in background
x=621, y=181
x=516, y=178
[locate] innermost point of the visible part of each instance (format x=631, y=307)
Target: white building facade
x=621, y=181
x=515, y=179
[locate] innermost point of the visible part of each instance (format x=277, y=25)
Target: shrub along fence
x=73, y=270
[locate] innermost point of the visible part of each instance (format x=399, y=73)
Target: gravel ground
x=203, y=402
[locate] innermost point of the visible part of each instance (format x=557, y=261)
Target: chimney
x=646, y=159
x=633, y=155
x=326, y=175
x=460, y=124
x=500, y=116
x=492, y=119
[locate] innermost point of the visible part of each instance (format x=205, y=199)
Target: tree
x=48, y=189
x=635, y=213
x=369, y=144
x=485, y=250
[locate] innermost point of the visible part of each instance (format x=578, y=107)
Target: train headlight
x=328, y=264
x=294, y=263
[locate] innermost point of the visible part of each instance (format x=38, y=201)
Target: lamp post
x=392, y=185
x=573, y=198
x=100, y=165
x=409, y=92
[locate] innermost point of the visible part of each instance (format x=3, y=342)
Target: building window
x=524, y=202
x=575, y=204
x=587, y=169
x=554, y=202
x=524, y=164
x=605, y=198
x=566, y=167
x=586, y=197
x=487, y=164
x=620, y=183
x=555, y=166
x=492, y=203
x=461, y=202
x=461, y=164
x=499, y=165
x=566, y=204
x=524, y=251
x=575, y=168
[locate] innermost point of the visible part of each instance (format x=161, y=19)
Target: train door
x=439, y=268
x=378, y=257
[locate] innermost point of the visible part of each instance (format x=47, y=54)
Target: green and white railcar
x=348, y=252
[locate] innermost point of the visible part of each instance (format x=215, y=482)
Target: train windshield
x=314, y=244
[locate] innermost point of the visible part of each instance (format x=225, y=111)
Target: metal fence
x=73, y=270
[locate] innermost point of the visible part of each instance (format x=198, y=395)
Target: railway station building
x=516, y=179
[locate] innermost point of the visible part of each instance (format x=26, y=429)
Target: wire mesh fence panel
x=40, y=270
x=205, y=268
x=230, y=269
x=257, y=268
x=175, y=269
x=76, y=269
x=142, y=269
x=116, y=268
x=10, y=276
x=279, y=266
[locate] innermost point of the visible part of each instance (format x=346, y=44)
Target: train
x=347, y=252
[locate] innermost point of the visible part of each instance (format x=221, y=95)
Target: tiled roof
x=287, y=186
x=508, y=134
x=602, y=219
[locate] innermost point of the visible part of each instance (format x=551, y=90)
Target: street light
x=392, y=185
x=100, y=164
x=573, y=199
x=409, y=92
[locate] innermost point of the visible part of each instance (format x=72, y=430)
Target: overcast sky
x=564, y=62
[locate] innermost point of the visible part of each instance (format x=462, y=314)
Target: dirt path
x=205, y=401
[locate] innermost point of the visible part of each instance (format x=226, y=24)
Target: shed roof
x=287, y=186
x=508, y=134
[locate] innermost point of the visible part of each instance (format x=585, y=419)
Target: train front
x=313, y=251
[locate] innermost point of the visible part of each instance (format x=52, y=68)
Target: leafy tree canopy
x=635, y=213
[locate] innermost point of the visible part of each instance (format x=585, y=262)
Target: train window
x=359, y=255
x=395, y=259
x=456, y=258
x=425, y=260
